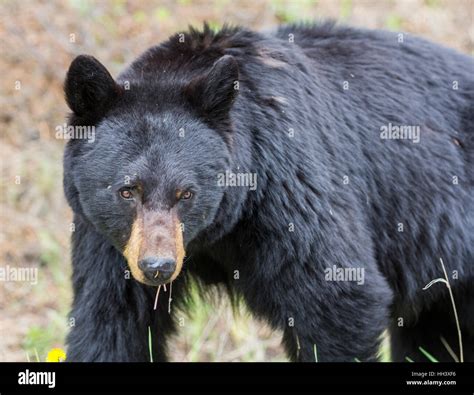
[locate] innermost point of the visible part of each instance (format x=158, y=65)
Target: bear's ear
x=214, y=93
x=89, y=87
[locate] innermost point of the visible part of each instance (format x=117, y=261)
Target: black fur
x=295, y=126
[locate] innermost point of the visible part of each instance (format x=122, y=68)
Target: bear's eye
x=126, y=193
x=186, y=195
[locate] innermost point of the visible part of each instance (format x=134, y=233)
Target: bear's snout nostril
x=166, y=265
x=157, y=268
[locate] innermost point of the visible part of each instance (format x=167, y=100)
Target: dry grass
x=38, y=39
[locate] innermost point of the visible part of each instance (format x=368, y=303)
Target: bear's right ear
x=89, y=87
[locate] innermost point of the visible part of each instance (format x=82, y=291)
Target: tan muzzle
x=155, y=249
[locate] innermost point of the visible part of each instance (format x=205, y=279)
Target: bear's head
x=147, y=180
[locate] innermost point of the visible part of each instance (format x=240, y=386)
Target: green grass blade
x=149, y=344
x=427, y=354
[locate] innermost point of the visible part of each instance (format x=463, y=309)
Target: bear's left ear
x=214, y=93
x=89, y=87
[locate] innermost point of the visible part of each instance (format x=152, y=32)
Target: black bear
x=321, y=174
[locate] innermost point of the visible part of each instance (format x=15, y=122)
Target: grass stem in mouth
x=156, y=297
x=170, y=298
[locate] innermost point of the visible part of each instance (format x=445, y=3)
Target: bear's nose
x=157, y=270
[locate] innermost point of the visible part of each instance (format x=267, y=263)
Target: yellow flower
x=56, y=355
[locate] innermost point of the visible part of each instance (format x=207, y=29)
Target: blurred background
x=38, y=40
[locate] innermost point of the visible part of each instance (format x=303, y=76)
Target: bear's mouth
x=155, y=248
